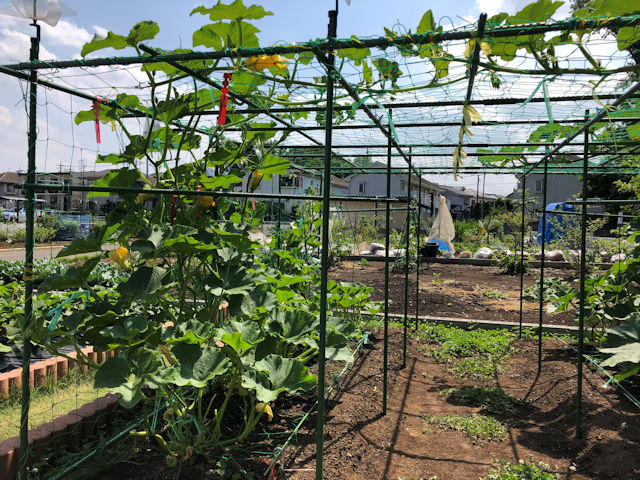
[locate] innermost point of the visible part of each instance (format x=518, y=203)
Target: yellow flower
x=119, y=256
x=262, y=407
x=143, y=197
x=263, y=62
x=207, y=201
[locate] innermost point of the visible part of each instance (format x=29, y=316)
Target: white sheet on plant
x=443, y=228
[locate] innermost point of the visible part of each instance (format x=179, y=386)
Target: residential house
x=10, y=196
x=297, y=181
x=560, y=188
x=461, y=200
x=375, y=185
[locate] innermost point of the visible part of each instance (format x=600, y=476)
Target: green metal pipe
x=603, y=215
x=385, y=360
x=406, y=267
x=598, y=202
x=190, y=193
x=336, y=44
x=542, y=261
x=602, y=114
x=418, y=234
x=355, y=210
x=524, y=195
x=583, y=278
x=28, y=260
x=324, y=258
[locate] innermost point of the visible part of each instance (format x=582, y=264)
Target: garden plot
x=460, y=291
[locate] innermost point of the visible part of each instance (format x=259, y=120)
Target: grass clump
x=447, y=343
x=478, y=428
x=494, y=294
x=476, y=368
x=491, y=399
x=520, y=471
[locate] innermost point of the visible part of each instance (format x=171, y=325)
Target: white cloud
x=66, y=34
x=492, y=7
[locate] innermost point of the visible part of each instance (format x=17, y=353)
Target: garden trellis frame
x=411, y=152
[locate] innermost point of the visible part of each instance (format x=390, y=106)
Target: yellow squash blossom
x=207, y=201
x=119, y=256
x=262, y=407
x=263, y=62
x=143, y=197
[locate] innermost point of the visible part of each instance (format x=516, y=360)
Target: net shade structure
x=510, y=94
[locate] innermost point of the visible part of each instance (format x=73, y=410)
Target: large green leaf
x=112, y=40
x=294, y=326
x=623, y=342
x=81, y=245
x=74, y=277
x=112, y=373
x=123, y=177
x=539, y=11
x=427, y=23
x=235, y=10
x=195, y=366
x=275, y=374
x=273, y=165
x=145, y=283
x=142, y=31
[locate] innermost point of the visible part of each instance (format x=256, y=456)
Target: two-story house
x=297, y=181
x=10, y=196
x=375, y=184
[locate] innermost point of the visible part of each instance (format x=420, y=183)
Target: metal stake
x=326, y=194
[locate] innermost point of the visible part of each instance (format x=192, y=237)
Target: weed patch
x=479, y=428
x=494, y=294
x=447, y=343
x=491, y=399
x=520, y=471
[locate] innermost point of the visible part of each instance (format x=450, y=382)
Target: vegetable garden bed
x=532, y=420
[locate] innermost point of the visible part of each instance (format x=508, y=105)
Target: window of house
x=538, y=187
x=53, y=201
x=403, y=185
x=466, y=200
x=288, y=181
x=362, y=188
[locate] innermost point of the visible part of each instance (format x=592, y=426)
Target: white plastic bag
x=443, y=228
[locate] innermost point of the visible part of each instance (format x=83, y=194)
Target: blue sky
x=293, y=20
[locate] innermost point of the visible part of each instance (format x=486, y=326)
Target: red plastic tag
x=222, y=117
x=96, y=116
x=253, y=203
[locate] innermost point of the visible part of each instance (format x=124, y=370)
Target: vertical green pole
x=542, y=261
x=28, y=263
x=524, y=194
x=333, y=21
x=278, y=222
x=386, y=278
x=418, y=227
x=406, y=267
x=583, y=270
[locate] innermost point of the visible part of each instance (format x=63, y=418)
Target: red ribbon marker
x=222, y=117
x=173, y=208
x=253, y=202
x=96, y=116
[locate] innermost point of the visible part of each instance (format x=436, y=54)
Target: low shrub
x=17, y=237
x=44, y=234
x=520, y=471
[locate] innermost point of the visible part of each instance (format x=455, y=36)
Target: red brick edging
x=67, y=430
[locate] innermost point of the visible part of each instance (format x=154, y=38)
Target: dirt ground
x=455, y=291
x=361, y=444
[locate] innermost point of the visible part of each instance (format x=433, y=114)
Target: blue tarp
x=555, y=221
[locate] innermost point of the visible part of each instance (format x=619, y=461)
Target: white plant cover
x=443, y=228
x=47, y=11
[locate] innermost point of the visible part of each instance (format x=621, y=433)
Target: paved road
x=17, y=254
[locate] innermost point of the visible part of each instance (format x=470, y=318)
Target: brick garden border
x=67, y=430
